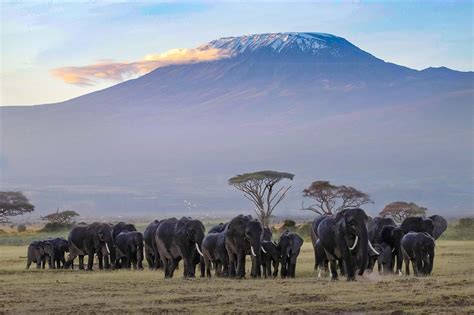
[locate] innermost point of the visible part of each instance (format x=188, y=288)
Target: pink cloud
x=119, y=71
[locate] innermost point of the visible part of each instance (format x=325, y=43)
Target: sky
x=43, y=43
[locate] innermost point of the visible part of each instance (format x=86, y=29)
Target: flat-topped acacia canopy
x=261, y=175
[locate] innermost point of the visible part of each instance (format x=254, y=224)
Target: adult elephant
x=129, y=250
x=314, y=238
x=122, y=227
x=214, y=252
x=217, y=228
x=179, y=239
x=392, y=235
x=418, y=248
x=151, y=250
x=95, y=238
x=440, y=225
x=59, y=246
x=290, y=245
x=342, y=234
x=375, y=228
x=417, y=224
x=244, y=236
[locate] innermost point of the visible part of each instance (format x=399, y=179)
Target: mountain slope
x=308, y=103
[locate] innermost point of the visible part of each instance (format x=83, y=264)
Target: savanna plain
x=450, y=289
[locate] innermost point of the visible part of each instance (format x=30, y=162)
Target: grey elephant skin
x=122, y=227
x=95, y=238
x=338, y=236
x=290, y=245
x=418, y=248
x=37, y=254
x=270, y=258
x=151, y=250
x=179, y=239
x=59, y=246
x=417, y=224
x=215, y=253
x=244, y=237
x=440, y=225
x=129, y=250
x=392, y=235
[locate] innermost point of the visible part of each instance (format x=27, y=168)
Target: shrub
x=289, y=223
x=55, y=227
x=21, y=228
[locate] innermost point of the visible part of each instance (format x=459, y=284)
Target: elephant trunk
x=363, y=252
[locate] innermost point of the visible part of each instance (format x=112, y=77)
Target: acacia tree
x=259, y=188
x=62, y=218
x=399, y=210
x=330, y=199
x=13, y=203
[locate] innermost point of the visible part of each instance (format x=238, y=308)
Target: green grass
x=449, y=290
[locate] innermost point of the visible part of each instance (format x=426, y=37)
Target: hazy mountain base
x=449, y=290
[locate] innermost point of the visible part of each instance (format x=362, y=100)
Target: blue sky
x=38, y=37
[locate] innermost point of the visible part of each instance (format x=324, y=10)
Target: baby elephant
x=418, y=247
x=290, y=244
x=38, y=252
x=214, y=252
x=270, y=256
x=129, y=250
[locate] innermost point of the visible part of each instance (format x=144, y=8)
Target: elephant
x=244, y=236
x=59, y=246
x=129, y=250
x=151, y=250
x=383, y=258
x=440, y=225
x=418, y=247
x=417, y=224
x=375, y=228
x=392, y=235
x=314, y=238
x=121, y=227
x=38, y=253
x=270, y=257
x=213, y=249
x=179, y=239
x=290, y=245
x=95, y=238
x=342, y=234
x=322, y=261
x=217, y=228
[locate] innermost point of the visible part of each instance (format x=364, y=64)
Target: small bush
x=21, y=228
x=55, y=227
x=289, y=223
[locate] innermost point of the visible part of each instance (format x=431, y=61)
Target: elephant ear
x=297, y=243
x=181, y=226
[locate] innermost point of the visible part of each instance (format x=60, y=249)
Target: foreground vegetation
x=450, y=289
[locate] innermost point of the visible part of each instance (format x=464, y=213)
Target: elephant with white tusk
x=243, y=237
x=180, y=239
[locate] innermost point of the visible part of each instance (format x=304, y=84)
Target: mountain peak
x=312, y=43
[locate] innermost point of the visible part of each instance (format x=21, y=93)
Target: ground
x=450, y=289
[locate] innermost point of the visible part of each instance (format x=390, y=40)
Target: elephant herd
x=353, y=242
x=165, y=243
x=349, y=241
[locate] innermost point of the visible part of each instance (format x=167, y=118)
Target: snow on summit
x=278, y=42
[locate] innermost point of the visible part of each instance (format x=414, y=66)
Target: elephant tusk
x=107, y=247
x=355, y=243
x=253, y=252
x=393, y=249
x=373, y=249
x=263, y=250
x=382, y=268
x=319, y=272
x=199, y=251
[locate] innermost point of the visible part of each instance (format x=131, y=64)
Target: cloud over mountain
x=119, y=71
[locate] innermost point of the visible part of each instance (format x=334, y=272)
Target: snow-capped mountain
x=308, y=103
x=307, y=43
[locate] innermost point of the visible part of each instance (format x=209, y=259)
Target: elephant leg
x=275, y=268
x=333, y=268
x=90, y=260
x=240, y=264
x=207, y=263
x=172, y=267
x=100, y=258
x=38, y=264
x=231, y=264
x=28, y=263
x=43, y=262
x=407, y=266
